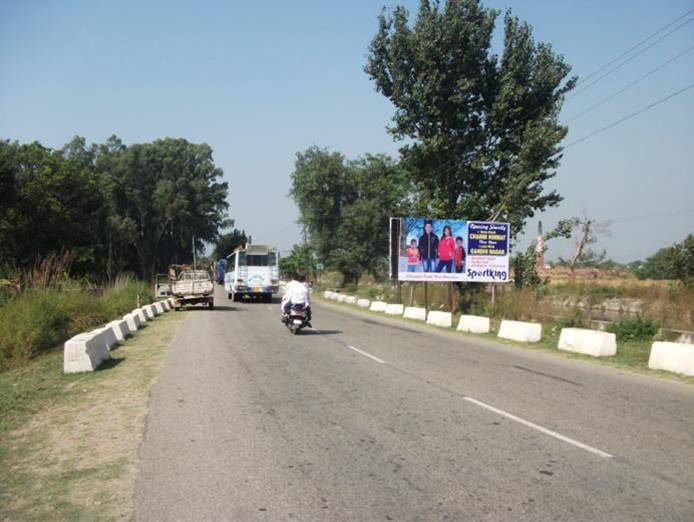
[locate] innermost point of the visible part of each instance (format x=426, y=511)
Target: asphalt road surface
x=374, y=419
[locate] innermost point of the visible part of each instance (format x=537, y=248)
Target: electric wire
x=630, y=85
x=629, y=116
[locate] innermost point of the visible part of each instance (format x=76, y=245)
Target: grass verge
x=68, y=443
x=631, y=355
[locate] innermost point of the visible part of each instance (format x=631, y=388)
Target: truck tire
x=210, y=304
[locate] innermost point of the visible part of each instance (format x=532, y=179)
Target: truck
x=252, y=271
x=190, y=286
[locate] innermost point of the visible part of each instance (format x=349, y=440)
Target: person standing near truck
x=428, y=247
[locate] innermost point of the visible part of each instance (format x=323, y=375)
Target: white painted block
x=673, y=357
x=588, y=342
x=327, y=294
x=473, y=324
x=520, y=331
x=108, y=336
x=172, y=301
x=443, y=319
x=378, y=306
x=84, y=353
x=158, y=307
x=394, y=309
x=120, y=329
x=133, y=321
x=341, y=298
x=334, y=296
x=149, y=312
x=141, y=314
x=350, y=299
x=416, y=313
x=363, y=303
x=166, y=305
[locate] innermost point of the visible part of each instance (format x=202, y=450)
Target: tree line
x=114, y=207
x=480, y=134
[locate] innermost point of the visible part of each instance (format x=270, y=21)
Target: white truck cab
x=252, y=271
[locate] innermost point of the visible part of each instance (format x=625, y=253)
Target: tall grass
x=42, y=316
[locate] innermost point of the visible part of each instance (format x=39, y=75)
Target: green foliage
x=634, y=328
x=300, y=260
x=39, y=319
x=225, y=244
x=675, y=262
x=345, y=207
x=116, y=208
x=482, y=132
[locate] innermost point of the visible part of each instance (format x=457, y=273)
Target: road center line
x=539, y=428
x=366, y=354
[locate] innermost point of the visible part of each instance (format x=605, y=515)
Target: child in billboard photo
x=428, y=247
x=446, y=250
x=459, y=255
x=412, y=256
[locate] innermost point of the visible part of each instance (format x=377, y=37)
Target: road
x=373, y=419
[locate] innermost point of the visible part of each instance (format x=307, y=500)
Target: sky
x=261, y=81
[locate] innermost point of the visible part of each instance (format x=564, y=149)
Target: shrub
x=634, y=328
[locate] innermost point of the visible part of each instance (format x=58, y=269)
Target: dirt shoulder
x=68, y=443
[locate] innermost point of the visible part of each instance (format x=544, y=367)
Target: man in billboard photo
x=446, y=250
x=428, y=247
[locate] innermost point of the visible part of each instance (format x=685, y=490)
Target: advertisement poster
x=440, y=250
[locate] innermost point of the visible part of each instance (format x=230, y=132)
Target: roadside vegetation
x=68, y=443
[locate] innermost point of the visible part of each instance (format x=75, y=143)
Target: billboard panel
x=449, y=250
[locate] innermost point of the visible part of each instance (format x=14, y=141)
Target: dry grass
x=68, y=443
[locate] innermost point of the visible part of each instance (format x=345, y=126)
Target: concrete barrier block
x=133, y=321
x=84, y=352
x=172, y=301
x=108, y=336
x=588, y=342
x=416, y=313
x=120, y=329
x=378, y=306
x=334, y=296
x=673, y=357
x=351, y=299
x=149, y=312
x=166, y=305
x=341, y=298
x=443, y=319
x=141, y=314
x=327, y=294
x=394, y=309
x=473, y=324
x=520, y=331
x=363, y=303
x=158, y=307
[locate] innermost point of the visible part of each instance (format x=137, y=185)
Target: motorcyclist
x=296, y=292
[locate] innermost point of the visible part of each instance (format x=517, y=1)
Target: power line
x=630, y=85
x=633, y=56
x=644, y=109
x=636, y=46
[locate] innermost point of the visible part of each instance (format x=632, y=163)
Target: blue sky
x=261, y=81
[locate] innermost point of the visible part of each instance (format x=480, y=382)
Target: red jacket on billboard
x=446, y=248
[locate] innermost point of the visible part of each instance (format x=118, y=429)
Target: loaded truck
x=190, y=286
x=252, y=271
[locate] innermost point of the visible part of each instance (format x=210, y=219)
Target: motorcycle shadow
x=321, y=332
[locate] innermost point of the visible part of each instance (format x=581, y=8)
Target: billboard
x=440, y=250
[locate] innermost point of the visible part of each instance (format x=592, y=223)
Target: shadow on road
x=322, y=332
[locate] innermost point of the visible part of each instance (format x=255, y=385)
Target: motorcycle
x=297, y=318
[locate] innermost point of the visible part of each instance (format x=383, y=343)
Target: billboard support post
x=399, y=287
x=450, y=297
x=426, y=296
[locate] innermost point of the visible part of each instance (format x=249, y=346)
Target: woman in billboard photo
x=446, y=250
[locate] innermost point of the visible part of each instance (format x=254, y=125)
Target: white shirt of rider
x=296, y=293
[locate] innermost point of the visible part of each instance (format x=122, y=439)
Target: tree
x=300, y=260
x=225, y=244
x=345, y=206
x=673, y=262
x=588, y=230
x=525, y=264
x=482, y=132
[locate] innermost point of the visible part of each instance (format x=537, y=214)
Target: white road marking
x=366, y=354
x=539, y=428
x=269, y=308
